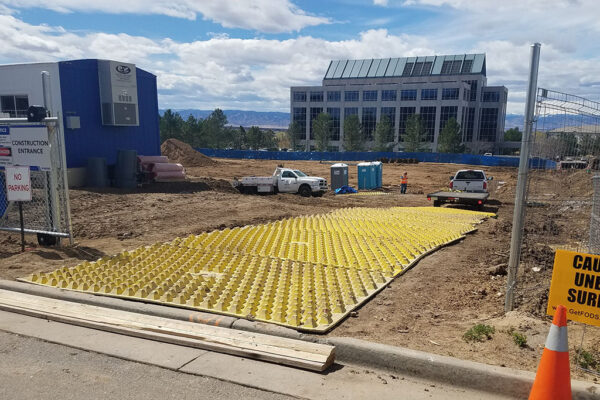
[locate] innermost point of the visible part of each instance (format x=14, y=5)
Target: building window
x=370, y=95
x=334, y=96
x=473, y=90
x=316, y=97
x=300, y=96
x=488, y=124
x=15, y=105
x=390, y=113
x=446, y=114
x=299, y=116
x=388, y=95
x=466, y=68
x=417, y=69
x=408, y=95
x=490, y=97
x=351, y=95
x=429, y=94
x=405, y=112
x=334, y=113
x=427, y=68
x=350, y=111
x=467, y=124
x=408, y=69
x=428, y=120
x=314, y=113
x=333, y=149
x=450, y=94
x=446, y=67
x=456, y=67
x=369, y=120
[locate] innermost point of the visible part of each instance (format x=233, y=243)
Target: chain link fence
x=564, y=160
x=47, y=214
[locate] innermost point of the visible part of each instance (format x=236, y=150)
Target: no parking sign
x=18, y=184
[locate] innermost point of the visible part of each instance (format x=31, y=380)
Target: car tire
x=305, y=191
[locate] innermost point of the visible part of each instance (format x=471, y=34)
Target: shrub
x=479, y=333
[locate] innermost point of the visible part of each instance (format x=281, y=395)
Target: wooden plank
x=312, y=356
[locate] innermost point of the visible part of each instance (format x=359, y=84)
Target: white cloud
x=256, y=74
x=382, y=3
x=271, y=16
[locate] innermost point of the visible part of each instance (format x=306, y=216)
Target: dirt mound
x=182, y=153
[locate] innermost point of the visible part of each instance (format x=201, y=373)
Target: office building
x=436, y=87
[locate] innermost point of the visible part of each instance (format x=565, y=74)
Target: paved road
x=33, y=369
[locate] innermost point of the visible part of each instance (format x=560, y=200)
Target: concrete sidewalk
x=131, y=380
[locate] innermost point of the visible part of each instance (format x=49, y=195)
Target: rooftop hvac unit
x=118, y=93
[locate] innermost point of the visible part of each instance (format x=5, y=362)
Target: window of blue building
x=490, y=97
x=314, y=113
x=428, y=121
x=369, y=120
x=334, y=113
x=488, y=124
x=299, y=116
x=403, y=115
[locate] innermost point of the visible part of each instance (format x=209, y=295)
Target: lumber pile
x=291, y=352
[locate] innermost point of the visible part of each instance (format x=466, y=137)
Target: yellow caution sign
x=576, y=285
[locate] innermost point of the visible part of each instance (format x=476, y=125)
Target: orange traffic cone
x=553, y=378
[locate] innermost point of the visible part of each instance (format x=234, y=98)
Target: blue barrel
x=96, y=172
x=126, y=169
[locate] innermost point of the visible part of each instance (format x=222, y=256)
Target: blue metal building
x=106, y=106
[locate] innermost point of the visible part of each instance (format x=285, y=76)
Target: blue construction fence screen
x=450, y=158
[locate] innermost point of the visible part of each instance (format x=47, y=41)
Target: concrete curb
x=450, y=370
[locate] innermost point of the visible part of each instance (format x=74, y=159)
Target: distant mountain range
x=263, y=119
x=281, y=120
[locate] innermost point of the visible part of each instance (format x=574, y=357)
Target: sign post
x=18, y=188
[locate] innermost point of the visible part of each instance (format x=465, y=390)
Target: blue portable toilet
x=364, y=169
x=372, y=175
x=378, y=173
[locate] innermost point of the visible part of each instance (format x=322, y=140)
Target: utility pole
x=516, y=238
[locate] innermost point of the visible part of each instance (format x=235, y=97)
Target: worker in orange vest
x=404, y=183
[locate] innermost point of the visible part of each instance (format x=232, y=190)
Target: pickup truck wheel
x=318, y=194
x=304, y=191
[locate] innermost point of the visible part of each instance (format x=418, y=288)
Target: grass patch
x=588, y=360
x=519, y=338
x=479, y=333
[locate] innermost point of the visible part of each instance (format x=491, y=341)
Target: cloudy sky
x=245, y=54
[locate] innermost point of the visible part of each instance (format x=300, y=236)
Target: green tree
x=415, y=134
x=352, y=134
x=322, y=130
x=567, y=145
x=295, y=134
x=383, y=134
x=192, y=131
x=589, y=145
x=449, y=140
x=254, y=138
x=214, y=133
x=171, y=126
x=513, y=135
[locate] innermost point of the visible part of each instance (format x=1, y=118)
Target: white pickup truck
x=284, y=180
x=467, y=186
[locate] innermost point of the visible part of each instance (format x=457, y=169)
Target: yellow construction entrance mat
x=307, y=273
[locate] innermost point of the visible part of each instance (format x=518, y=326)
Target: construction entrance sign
x=576, y=285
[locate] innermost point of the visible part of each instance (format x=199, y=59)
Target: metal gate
x=48, y=212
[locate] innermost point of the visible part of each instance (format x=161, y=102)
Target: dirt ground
x=429, y=308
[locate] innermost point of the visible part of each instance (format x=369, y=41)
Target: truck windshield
x=299, y=173
x=470, y=175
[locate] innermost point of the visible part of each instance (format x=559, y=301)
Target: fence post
x=520, y=196
x=594, y=246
